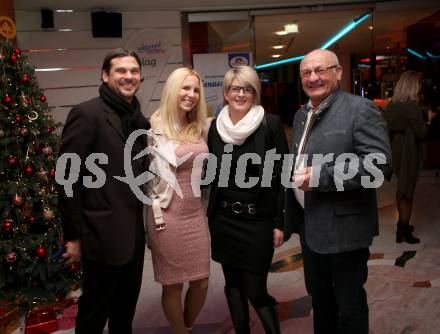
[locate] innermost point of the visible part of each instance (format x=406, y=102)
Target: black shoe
x=269, y=318
x=239, y=309
x=404, y=233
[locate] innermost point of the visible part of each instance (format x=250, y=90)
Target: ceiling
x=318, y=21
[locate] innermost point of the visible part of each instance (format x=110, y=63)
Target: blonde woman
x=177, y=231
x=246, y=223
x=407, y=129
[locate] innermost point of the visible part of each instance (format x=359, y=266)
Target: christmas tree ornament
x=47, y=150
x=23, y=228
x=24, y=131
x=42, y=98
x=49, y=131
x=14, y=57
x=17, y=200
x=2, y=133
x=28, y=170
x=23, y=99
x=7, y=99
x=11, y=161
x=42, y=173
x=32, y=220
x=11, y=257
x=41, y=251
x=8, y=224
x=25, y=78
x=36, y=145
x=51, y=173
x=18, y=118
x=48, y=214
x=17, y=51
x=32, y=115
x=26, y=210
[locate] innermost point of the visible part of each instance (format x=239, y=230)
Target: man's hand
x=303, y=178
x=73, y=251
x=278, y=237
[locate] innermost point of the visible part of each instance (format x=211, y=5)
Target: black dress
x=244, y=240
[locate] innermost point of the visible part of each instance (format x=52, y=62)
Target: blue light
x=332, y=40
x=415, y=53
x=280, y=62
x=345, y=31
x=432, y=56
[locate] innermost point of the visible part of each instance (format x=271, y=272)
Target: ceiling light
x=281, y=32
x=291, y=27
x=370, y=27
x=277, y=47
x=276, y=56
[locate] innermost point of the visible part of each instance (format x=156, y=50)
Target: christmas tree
x=32, y=270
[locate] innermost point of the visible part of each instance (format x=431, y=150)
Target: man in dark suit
x=103, y=223
x=342, y=155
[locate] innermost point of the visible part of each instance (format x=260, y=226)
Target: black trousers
x=110, y=293
x=252, y=285
x=336, y=284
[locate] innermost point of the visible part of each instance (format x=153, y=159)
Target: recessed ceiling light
x=291, y=27
x=277, y=47
x=275, y=56
x=281, y=32
x=370, y=27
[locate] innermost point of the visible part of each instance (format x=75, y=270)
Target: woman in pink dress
x=176, y=227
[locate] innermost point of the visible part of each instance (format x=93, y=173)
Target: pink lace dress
x=181, y=251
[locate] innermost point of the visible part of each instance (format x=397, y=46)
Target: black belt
x=239, y=207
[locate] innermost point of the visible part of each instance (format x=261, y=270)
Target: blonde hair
x=167, y=116
x=408, y=87
x=247, y=76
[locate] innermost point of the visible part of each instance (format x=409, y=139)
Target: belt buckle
x=251, y=209
x=160, y=227
x=235, y=205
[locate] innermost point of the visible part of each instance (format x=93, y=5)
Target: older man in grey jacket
x=342, y=154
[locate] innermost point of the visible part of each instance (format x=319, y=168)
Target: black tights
x=404, y=206
x=253, y=285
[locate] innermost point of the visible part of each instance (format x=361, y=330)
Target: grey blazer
x=336, y=221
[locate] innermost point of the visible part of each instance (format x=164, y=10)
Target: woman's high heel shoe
x=404, y=233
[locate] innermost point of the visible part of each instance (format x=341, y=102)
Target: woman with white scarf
x=245, y=216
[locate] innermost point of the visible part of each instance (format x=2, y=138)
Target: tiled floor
x=403, y=285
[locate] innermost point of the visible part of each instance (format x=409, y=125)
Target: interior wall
x=81, y=55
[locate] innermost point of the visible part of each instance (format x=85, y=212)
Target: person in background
x=336, y=217
x=104, y=226
x=177, y=231
x=246, y=222
x=407, y=128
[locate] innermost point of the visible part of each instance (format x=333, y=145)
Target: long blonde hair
x=167, y=116
x=408, y=87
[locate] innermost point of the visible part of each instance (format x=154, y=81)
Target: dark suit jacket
x=104, y=219
x=336, y=221
x=267, y=136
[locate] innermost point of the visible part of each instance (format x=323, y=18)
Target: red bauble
x=11, y=257
x=7, y=99
x=17, y=51
x=14, y=57
x=42, y=98
x=17, y=200
x=49, y=131
x=47, y=150
x=28, y=170
x=32, y=219
x=36, y=145
x=25, y=78
x=51, y=173
x=8, y=224
x=11, y=161
x=18, y=118
x=74, y=267
x=41, y=251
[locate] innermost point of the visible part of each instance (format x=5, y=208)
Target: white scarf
x=237, y=133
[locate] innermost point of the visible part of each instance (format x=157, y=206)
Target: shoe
x=269, y=318
x=404, y=233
